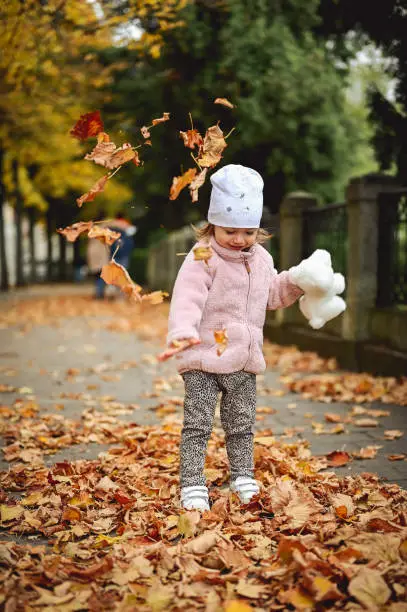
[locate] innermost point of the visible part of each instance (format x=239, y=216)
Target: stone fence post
x=363, y=232
x=291, y=238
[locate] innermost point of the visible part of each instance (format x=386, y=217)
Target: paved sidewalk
x=40, y=358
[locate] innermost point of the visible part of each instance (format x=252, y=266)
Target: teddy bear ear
x=323, y=256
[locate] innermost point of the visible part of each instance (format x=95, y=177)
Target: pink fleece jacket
x=233, y=291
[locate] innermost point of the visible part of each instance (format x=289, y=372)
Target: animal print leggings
x=237, y=411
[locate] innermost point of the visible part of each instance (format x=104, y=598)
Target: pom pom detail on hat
x=236, y=197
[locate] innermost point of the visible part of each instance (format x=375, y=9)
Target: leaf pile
x=310, y=540
x=351, y=387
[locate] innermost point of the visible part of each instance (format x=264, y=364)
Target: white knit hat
x=236, y=198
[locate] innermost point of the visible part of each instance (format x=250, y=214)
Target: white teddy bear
x=321, y=285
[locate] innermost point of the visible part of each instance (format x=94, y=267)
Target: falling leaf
x=114, y=273
x=393, y=434
x=121, y=156
x=155, y=297
x=87, y=125
x=136, y=159
x=369, y=588
x=104, y=234
x=165, y=117
x=221, y=338
x=192, y=139
x=90, y=195
x=338, y=458
x=212, y=148
x=73, y=231
x=224, y=102
x=108, y=155
x=202, y=253
x=195, y=185
x=179, y=182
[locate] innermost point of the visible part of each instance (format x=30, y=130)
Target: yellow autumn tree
x=49, y=75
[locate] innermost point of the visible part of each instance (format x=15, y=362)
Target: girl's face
x=235, y=239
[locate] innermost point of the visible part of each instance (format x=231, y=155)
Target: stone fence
x=368, y=336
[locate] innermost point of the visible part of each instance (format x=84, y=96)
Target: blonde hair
x=206, y=231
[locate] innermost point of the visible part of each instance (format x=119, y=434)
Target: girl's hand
x=176, y=347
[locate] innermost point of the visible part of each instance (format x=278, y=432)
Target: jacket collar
x=230, y=255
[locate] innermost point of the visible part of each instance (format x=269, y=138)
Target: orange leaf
x=87, y=125
x=192, y=138
x=202, y=253
x=121, y=156
x=224, y=102
x=108, y=155
x=71, y=515
x=90, y=195
x=73, y=231
x=179, y=182
x=221, y=338
x=338, y=458
x=115, y=274
x=211, y=151
x=145, y=132
x=104, y=234
x=155, y=297
x=136, y=159
x=237, y=605
x=196, y=184
x=165, y=117
x=368, y=452
x=332, y=417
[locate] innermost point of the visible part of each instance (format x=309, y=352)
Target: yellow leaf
x=237, y=605
x=187, y=523
x=9, y=513
x=159, y=597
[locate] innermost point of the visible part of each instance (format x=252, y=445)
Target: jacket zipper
x=247, y=266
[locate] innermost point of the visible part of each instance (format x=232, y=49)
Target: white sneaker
x=245, y=487
x=195, y=498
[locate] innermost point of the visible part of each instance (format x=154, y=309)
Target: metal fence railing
x=392, y=249
x=327, y=228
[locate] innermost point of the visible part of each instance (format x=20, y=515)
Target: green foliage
x=138, y=265
x=292, y=119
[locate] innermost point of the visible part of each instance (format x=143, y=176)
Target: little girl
x=231, y=291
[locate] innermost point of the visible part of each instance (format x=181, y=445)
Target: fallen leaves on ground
x=120, y=541
x=351, y=387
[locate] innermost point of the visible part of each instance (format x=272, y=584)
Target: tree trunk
x=4, y=281
x=62, y=268
x=50, y=230
x=31, y=243
x=18, y=219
